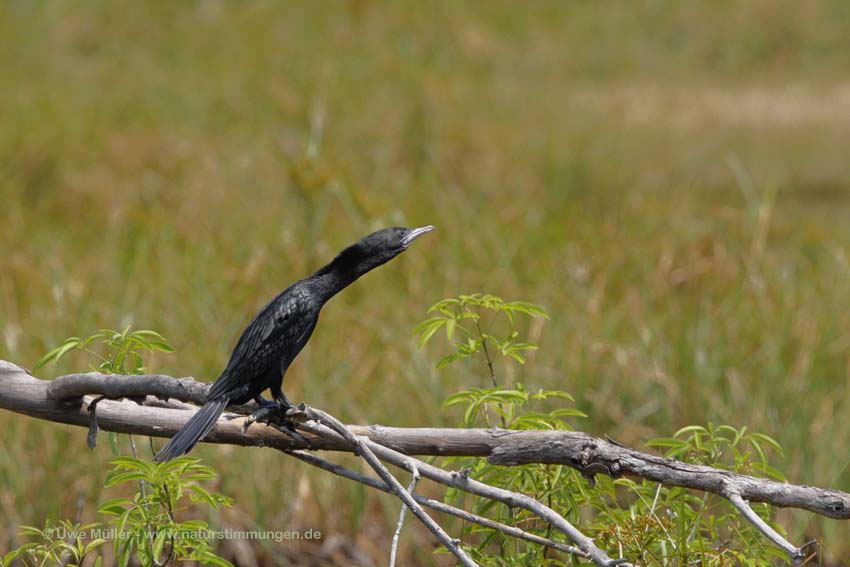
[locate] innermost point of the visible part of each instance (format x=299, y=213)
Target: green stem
x=489, y=361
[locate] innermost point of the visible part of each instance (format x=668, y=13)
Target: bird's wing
x=257, y=348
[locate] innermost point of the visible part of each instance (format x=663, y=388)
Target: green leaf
x=212, y=559
x=182, y=463
x=444, y=303
x=193, y=526
x=757, y=448
x=567, y=412
x=158, y=544
x=506, y=396
x=427, y=328
x=767, y=440
x=11, y=556
x=526, y=308
x=666, y=442
x=770, y=471
x=515, y=355
x=118, y=362
x=124, y=477
x=147, y=333
x=125, y=547
x=113, y=443
x=92, y=545
x=546, y=394
x=456, y=399
x=448, y=359
x=470, y=414
x=130, y=463
x=690, y=429
x=122, y=525
x=134, y=341
x=162, y=346
x=30, y=531
x=54, y=355
x=198, y=494
x=115, y=507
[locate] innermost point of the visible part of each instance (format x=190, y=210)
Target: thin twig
x=414, y=478
x=795, y=553
x=363, y=446
x=463, y=482
x=150, y=530
x=487, y=358
x=512, y=531
x=67, y=555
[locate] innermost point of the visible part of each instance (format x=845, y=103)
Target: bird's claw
x=288, y=427
x=268, y=413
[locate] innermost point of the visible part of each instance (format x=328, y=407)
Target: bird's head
x=372, y=251
x=387, y=243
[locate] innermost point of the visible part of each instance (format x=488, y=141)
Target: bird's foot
x=264, y=403
x=274, y=414
x=288, y=427
x=270, y=413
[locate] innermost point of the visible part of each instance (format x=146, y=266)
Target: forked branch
x=153, y=406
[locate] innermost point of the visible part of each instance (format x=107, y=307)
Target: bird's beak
x=414, y=234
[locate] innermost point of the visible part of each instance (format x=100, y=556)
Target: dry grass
x=679, y=209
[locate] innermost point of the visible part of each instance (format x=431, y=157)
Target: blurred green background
x=669, y=179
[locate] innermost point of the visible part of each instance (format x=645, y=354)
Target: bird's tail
x=195, y=429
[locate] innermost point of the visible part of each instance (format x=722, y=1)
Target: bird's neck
x=349, y=265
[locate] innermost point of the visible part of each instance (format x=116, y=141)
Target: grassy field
x=669, y=180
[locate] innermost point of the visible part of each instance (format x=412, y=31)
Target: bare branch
x=414, y=478
x=743, y=506
x=147, y=406
x=436, y=504
x=363, y=446
x=463, y=482
x=21, y=392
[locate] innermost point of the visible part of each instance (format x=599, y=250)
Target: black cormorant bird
x=280, y=330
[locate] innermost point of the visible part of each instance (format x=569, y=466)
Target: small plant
x=722, y=446
x=664, y=525
x=471, y=323
x=146, y=525
x=112, y=352
x=115, y=352
x=648, y=523
x=510, y=406
x=466, y=316
x=56, y=544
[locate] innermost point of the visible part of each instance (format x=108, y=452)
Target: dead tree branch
x=512, y=531
x=146, y=405
x=363, y=446
x=463, y=482
x=414, y=479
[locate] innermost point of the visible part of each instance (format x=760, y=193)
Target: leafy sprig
x=146, y=524
x=649, y=523
x=60, y=543
x=114, y=352
x=462, y=316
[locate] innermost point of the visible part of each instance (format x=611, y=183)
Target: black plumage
x=273, y=339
